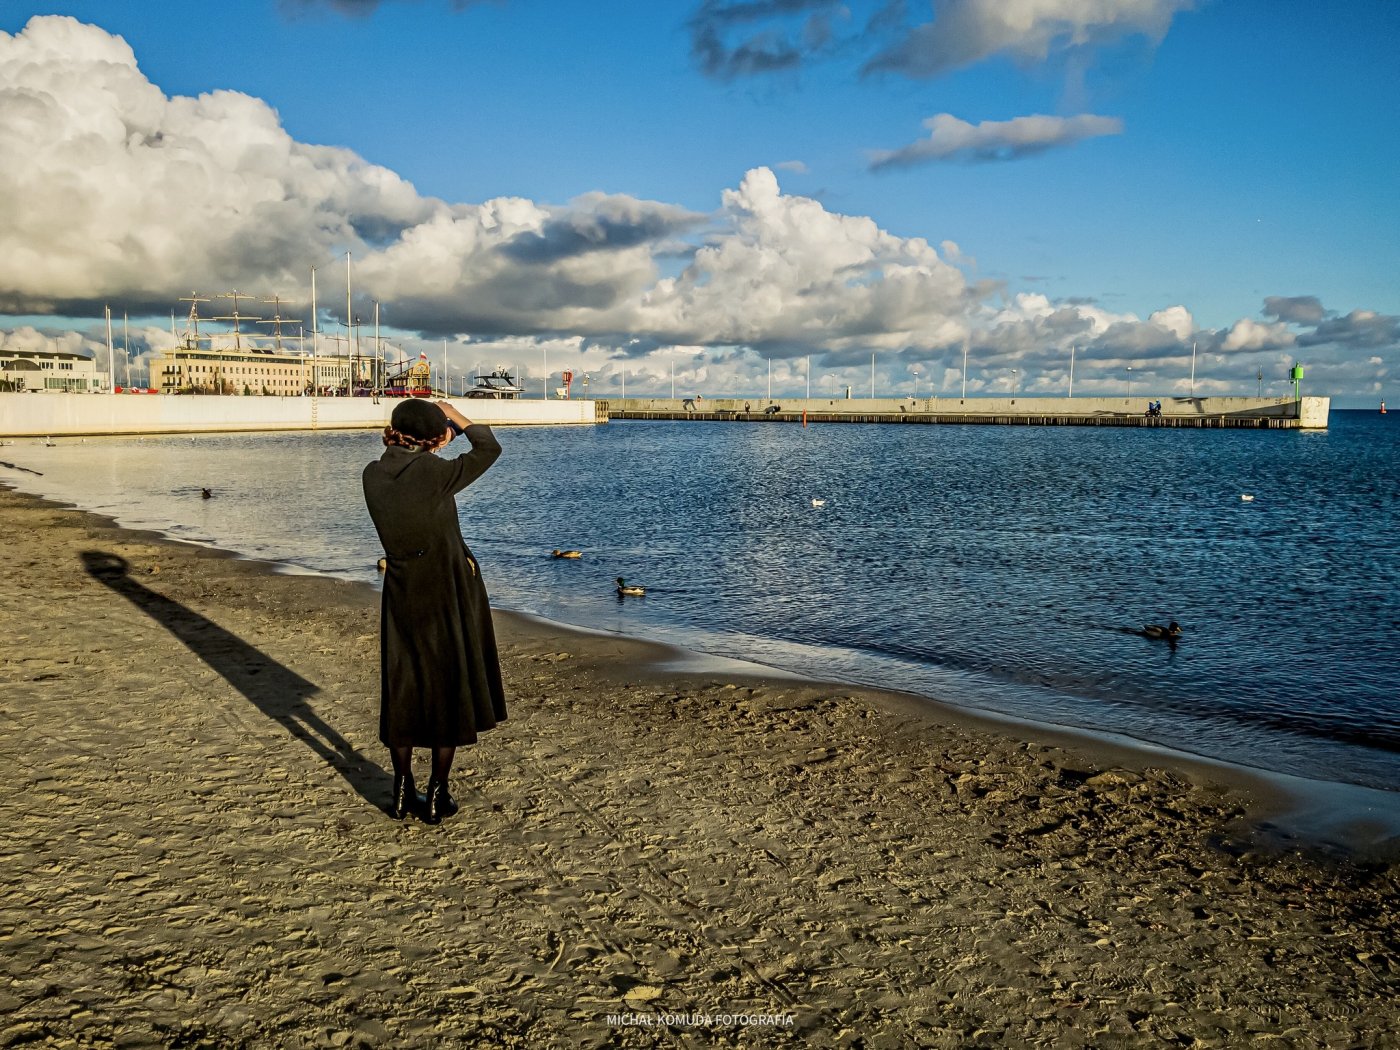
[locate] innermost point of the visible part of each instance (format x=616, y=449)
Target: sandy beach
x=195, y=853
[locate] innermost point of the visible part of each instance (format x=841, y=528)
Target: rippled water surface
x=1002, y=568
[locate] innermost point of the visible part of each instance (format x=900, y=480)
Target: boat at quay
x=500, y=385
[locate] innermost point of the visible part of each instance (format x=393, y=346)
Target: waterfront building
x=231, y=362
x=51, y=371
x=332, y=374
x=253, y=371
x=236, y=363
x=197, y=370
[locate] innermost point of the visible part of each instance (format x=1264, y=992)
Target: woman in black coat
x=440, y=678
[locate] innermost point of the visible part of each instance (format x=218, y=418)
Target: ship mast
x=277, y=320
x=192, y=332
x=235, y=317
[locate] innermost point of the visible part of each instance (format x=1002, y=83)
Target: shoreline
x=1289, y=810
x=197, y=852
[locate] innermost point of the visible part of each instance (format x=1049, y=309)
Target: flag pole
x=964, y=388
x=315, y=365
x=111, y=357
x=349, y=333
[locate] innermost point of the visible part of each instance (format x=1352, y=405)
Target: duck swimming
x=1171, y=631
x=556, y=553
x=622, y=588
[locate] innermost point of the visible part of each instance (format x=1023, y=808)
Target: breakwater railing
x=1258, y=413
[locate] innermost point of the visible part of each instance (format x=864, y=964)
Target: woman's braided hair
x=400, y=439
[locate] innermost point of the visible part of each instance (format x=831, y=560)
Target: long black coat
x=440, y=677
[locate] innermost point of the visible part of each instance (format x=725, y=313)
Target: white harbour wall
x=39, y=415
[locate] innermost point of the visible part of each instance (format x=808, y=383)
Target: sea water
x=1007, y=569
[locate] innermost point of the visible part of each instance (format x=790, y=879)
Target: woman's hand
x=452, y=414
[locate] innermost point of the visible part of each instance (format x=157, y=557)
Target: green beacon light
x=1296, y=374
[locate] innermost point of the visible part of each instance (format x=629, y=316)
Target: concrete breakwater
x=1307, y=413
x=70, y=415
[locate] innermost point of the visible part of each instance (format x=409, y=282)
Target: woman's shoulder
x=396, y=462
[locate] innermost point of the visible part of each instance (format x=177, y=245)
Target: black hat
x=419, y=419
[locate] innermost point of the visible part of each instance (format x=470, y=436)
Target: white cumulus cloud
x=967, y=31
x=953, y=139
x=1175, y=319
x=1248, y=334
x=110, y=190
x=787, y=270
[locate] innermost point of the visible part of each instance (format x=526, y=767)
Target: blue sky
x=1237, y=154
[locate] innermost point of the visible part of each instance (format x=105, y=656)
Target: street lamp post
x=916, y=384
x=1130, y=382
x=1014, y=376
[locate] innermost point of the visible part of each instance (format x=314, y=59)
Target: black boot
x=406, y=798
x=440, y=803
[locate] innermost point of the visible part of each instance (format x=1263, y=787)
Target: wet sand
x=194, y=851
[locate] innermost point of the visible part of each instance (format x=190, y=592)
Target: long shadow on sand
x=274, y=690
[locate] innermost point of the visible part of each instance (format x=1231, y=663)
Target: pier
x=1252, y=413
x=37, y=415
x=71, y=415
